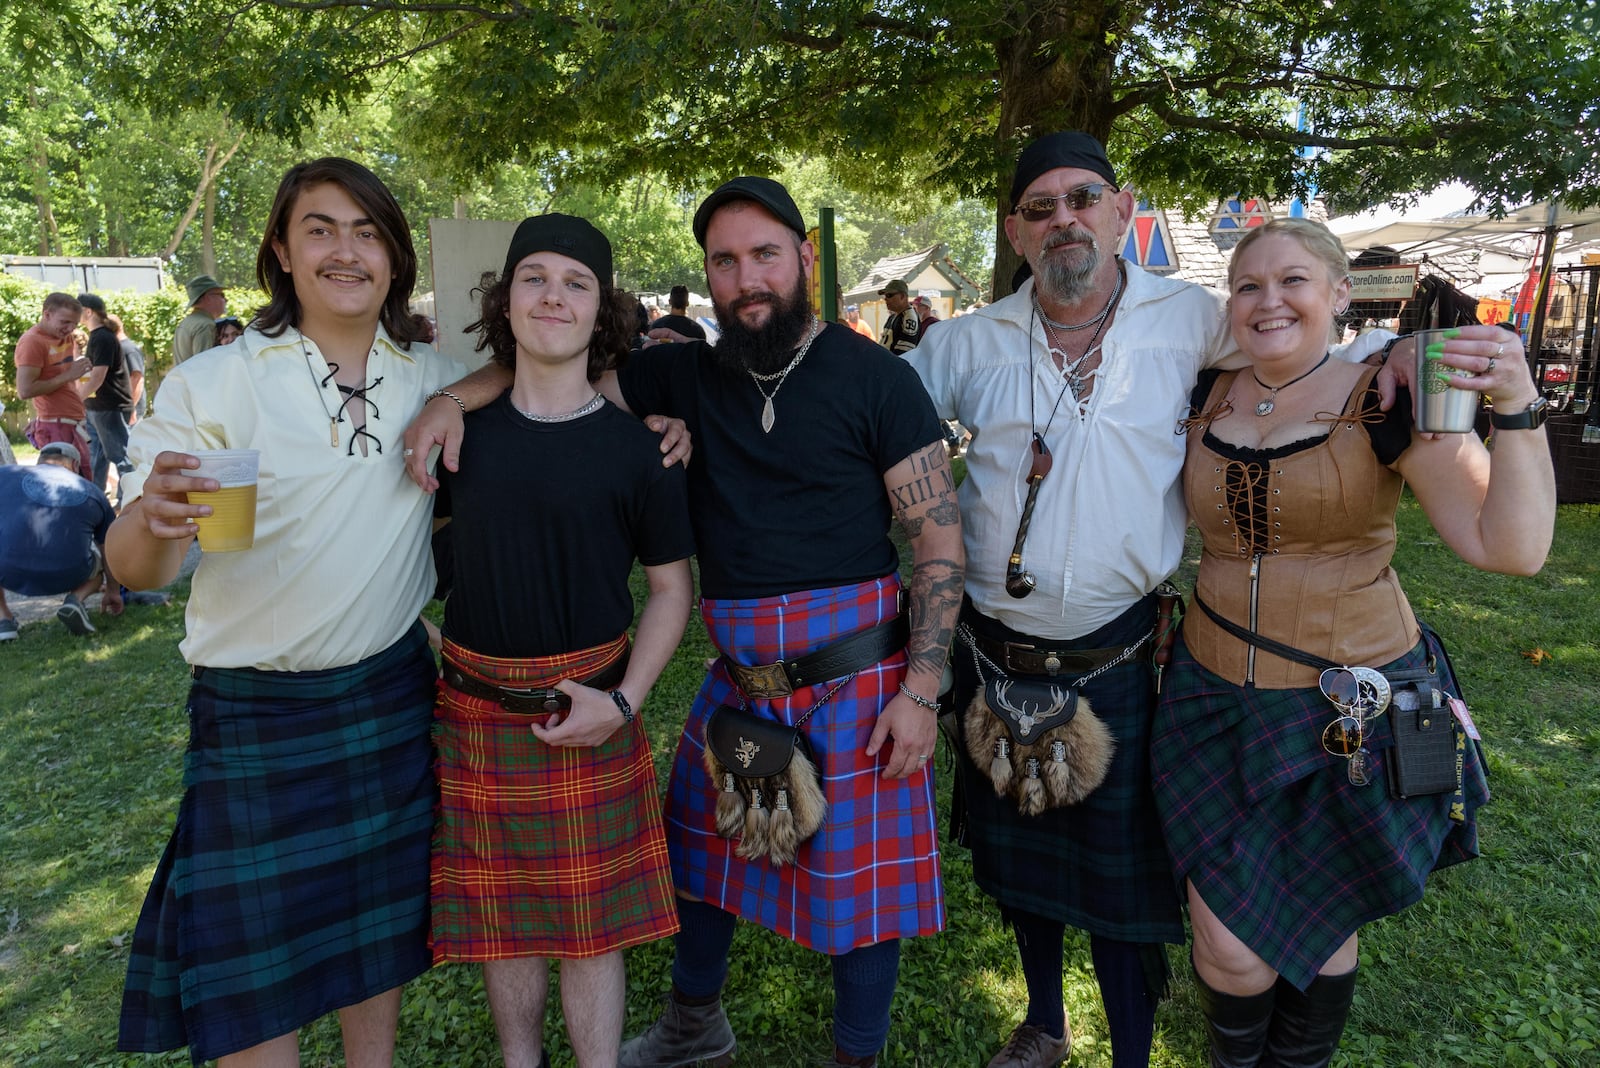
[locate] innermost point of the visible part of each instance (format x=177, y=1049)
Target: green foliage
x=1496, y=965
x=21, y=303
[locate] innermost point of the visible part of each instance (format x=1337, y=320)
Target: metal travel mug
x=1439, y=407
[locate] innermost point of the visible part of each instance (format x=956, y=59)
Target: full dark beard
x=1065, y=282
x=768, y=349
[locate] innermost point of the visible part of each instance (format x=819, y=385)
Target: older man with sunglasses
x=1073, y=516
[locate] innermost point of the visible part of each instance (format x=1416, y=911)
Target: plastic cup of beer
x=1439, y=407
x=231, y=526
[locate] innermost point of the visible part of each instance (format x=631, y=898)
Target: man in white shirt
x=296, y=883
x=1083, y=373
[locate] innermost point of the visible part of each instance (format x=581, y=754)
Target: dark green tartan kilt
x=296, y=880
x=1290, y=856
x=1100, y=865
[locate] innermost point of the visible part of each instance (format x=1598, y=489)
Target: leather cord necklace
x=347, y=394
x=1264, y=406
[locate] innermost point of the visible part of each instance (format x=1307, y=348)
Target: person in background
x=229, y=329
x=677, y=317
x=108, y=395
x=197, y=331
x=852, y=319
x=48, y=370
x=1272, y=778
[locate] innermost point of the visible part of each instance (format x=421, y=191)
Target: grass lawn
x=1498, y=965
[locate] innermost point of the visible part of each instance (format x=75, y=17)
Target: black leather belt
x=850, y=653
x=530, y=701
x=1016, y=658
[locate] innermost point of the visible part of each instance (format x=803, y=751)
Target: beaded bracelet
x=446, y=393
x=622, y=706
x=919, y=700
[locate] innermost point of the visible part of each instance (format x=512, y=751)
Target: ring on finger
x=409, y=452
x=1500, y=350
x=1490, y=369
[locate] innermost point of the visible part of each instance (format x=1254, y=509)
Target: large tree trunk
x=1055, y=74
x=39, y=165
x=208, y=220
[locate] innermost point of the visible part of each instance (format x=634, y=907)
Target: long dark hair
x=367, y=190
x=613, y=326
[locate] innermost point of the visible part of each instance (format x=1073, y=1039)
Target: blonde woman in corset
x=1284, y=843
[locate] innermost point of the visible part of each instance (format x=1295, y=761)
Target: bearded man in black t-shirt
x=808, y=439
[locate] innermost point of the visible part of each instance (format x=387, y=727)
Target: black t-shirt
x=803, y=507
x=546, y=522
x=116, y=392
x=682, y=324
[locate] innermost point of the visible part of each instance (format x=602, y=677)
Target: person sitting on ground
x=53, y=525
x=1279, y=783
x=677, y=317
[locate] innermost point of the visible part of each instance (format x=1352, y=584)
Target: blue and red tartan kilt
x=1290, y=856
x=296, y=880
x=541, y=850
x=872, y=872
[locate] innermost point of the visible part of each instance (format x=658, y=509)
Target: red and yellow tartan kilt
x=542, y=850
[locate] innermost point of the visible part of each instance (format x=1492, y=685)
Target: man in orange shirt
x=47, y=375
x=852, y=319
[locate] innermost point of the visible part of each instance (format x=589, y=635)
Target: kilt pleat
x=543, y=850
x=1099, y=865
x=296, y=879
x=1290, y=856
x=872, y=872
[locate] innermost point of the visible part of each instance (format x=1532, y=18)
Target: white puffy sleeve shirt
x=341, y=564
x=1109, y=521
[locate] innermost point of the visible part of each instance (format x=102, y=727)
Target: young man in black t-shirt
x=549, y=841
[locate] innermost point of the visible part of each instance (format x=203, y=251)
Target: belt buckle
x=1051, y=662
x=548, y=700
x=765, y=681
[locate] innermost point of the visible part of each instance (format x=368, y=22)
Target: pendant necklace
x=348, y=393
x=1264, y=406
x=768, y=416
x=1071, y=370
x=581, y=410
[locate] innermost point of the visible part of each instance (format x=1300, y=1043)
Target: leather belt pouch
x=770, y=787
x=1424, y=759
x=850, y=653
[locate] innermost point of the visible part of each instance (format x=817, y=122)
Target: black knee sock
x=700, y=958
x=1119, y=968
x=1039, y=946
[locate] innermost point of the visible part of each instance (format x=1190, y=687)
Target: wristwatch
x=1530, y=419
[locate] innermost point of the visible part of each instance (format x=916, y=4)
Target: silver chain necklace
x=768, y=416
x=1072, y=370
x=583, y=409
x=1087, y=323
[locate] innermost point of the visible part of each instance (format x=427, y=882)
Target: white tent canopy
x=1417, y=230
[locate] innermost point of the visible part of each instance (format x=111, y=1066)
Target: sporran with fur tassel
x=768, y=781
x=1036, y=738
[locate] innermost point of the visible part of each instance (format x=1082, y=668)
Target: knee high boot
x=1237, y=1025
x=1306, y=1027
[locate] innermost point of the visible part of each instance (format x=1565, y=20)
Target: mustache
x=335, y=268
x=750, y=300
x=1073, y=234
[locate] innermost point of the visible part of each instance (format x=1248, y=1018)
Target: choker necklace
x=1264, y=406
x=768, y=416
x=581, y=410
x=347, y=394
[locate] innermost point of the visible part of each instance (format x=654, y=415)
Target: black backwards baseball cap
x=1070, y=148
x=764, y=191
x=567, y=235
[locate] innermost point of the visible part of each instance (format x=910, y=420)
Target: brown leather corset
x=1296, y=548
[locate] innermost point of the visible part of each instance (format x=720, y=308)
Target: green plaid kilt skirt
x=296, y=880
x=1099, y=865
x=1291, y=857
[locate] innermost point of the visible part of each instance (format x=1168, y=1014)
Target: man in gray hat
x=198, y=330
x=903, y=329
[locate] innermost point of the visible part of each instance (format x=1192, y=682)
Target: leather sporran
x=1038, y=741
x=769, y=785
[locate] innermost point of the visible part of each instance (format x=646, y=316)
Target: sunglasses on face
x=1039, y=209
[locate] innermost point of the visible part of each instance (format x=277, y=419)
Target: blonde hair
x=1316, y=238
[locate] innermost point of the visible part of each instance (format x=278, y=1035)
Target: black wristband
x=622, y=706
x=1388, y=346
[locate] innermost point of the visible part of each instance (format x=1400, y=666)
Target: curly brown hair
x=613, y=326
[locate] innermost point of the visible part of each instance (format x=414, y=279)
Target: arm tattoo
x=936, y=587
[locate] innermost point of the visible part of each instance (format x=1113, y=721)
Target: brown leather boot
x=1032, y=1047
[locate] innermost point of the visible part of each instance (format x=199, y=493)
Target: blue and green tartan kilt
x=1099, y=865
x=1290, y=856
x=296, y=880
